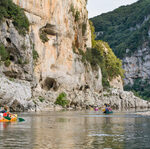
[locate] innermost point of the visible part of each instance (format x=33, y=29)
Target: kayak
x=108, y=112
x=12, y=118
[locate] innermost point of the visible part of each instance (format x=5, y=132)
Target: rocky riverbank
x=118, y=99
x=19, y=96
x=146, y=113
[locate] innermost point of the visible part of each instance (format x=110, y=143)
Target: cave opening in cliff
x=50, y=83
x=12, y=58
x=8, y=40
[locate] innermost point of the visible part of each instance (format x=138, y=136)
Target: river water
x=77, y=130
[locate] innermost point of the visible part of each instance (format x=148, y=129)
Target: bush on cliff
x=11, y=11
x=4, y=55
x=62, y=100
x=101, y=54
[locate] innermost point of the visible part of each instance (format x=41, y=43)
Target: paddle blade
x=21, y=119
x=8, y=118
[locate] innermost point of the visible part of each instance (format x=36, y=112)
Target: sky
x=97, y=7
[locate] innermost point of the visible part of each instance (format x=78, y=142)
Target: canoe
x=13, y=118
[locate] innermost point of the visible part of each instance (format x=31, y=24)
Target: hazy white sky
x=96, y=7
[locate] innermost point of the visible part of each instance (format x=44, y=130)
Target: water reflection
x=76, y=130
x=4, y=126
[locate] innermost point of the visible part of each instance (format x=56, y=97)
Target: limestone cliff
x=46, y=61
x=137, y=65
x=66, y=26
x=57, y=30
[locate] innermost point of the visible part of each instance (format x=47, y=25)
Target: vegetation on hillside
x=11, y=11
x=125, y=28
x=140, y=88
x=4, y=55
x=101, y=55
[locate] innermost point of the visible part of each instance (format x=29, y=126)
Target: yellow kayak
x=12, y=118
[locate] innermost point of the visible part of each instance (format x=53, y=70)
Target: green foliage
x=12, y=79
x=102, y=55
x=72, y=9
x=62, y=100
x=77, y=16
x=75, y=13
x=125, y=28
x=43, y=36
x=11, y=11
x=20, y=61
x=93, y=36
x=84, y=27
x=35, y=55
x=41, y=99
x=3, y=53
x=140, y=88
x=7, y=62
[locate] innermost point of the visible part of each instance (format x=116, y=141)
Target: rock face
x=137, y=65
x=58, y=29
x=20, y=51
x=65, y=23
x=117, y=83
x=16, y=94
x=86, y=98
x=123, y=100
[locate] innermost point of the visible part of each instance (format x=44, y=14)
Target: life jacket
x=4, y=114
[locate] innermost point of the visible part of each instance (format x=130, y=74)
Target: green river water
x=77, y=130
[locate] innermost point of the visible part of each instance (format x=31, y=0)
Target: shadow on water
x=77, y=130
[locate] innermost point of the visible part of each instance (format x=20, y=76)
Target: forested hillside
x=125, y=28
x=127, y=31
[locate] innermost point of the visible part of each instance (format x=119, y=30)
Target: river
x=77, y=130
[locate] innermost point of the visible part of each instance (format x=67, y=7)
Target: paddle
x=21, y=119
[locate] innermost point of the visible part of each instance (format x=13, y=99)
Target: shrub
x=35, y=55
x=3, y=53
x=41, y=99
x=62, y=100
x=11, y=11
x=77, y=16
x=140, y=88
x=7, y=63
x=101, y=55
x=20, y=61
x=84, y=27
x=72, y=9
x=43, y=36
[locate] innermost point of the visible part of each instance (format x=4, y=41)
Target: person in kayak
x=5, y=110
x=107, y=108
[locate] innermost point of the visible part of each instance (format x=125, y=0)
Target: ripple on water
x=105, y=135
x=76, y=130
